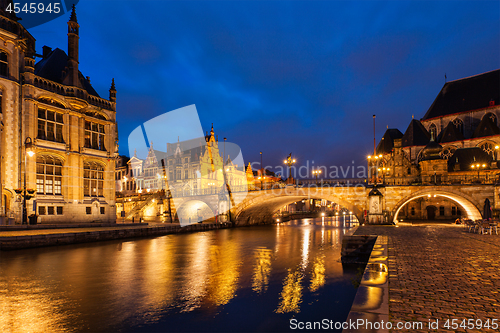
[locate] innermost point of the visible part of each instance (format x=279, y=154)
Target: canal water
x=232, y=280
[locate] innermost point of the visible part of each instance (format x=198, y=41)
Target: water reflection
x=257, y=274
x=262, y=269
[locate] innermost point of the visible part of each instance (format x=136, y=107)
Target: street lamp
x=478, y=166
x=28, y=151
x=289, y=161
x=316, y=173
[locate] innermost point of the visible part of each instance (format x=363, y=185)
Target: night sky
x=281, y=76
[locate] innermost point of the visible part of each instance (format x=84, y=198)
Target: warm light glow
x=30, y=153
x=380, y=156
x=369, y=156
x=376, y=157
x=284, y=161
x=125, y=179
x=496, y=147
x=484, y=165
x=293, y=161
x=148, y=190
x=322, y=214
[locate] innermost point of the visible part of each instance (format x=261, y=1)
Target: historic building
x=51, y=109
x=186, y=168
x=456, y=142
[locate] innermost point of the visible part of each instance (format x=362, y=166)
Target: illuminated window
x=48, y=175
x=433, y=131
x=93, y=180
x=441, y=211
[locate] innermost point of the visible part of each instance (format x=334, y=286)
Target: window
x=186, y=160
x=102, y=210
x=50, y=210
x=48, y=175
x=94, y=136
x=88, y=210
x=50, y=125
x=488, y=148
x=441, y=210
x=186, y=174
x=459, y=124
x=93, y=179
x=4, y=64
x=59, y=210
x=459, y=212
x=453, y=211
x=433, y=131
x=41, y=210
x=412, y=210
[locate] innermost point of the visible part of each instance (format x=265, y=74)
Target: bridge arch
x=466, y=202
x=259, y=207
x=193, y=209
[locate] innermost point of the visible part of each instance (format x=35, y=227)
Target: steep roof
x=486, y=128
x=387, y=142
x=466, y=94
x=464, y=157
x=53, y=66
x=415, y=135
x=450, y=134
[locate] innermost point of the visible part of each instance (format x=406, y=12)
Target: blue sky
x=281, y=76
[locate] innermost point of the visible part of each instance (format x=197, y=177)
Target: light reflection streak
x=305, y=248
x=318, y=274
x=291, y=296
x=225, y=265
x=262, y=270
x=194, y=284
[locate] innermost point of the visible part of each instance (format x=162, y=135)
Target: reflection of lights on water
x=305, y=248
x=318, y=274
x=262, y=270
x=291, y=296
x=225, y=264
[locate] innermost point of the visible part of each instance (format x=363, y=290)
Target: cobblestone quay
x=441, y=272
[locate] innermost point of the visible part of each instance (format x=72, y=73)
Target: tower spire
x=112, y=91
x=73, y=37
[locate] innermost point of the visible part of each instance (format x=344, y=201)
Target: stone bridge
x=259, y=206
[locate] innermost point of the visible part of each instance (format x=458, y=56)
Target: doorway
x=431, y=212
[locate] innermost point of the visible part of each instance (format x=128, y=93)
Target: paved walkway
x=441, y=272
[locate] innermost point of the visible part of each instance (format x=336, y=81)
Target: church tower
x=73, y=39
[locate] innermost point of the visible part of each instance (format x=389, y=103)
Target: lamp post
x=28, y=151
x=384, y=171
x=316, y=173
x=478, y=166
x=373, y=161
x=290, y=161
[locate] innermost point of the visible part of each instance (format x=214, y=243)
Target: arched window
x=48, y=175
x=4, y=64
x=433, y=131
x=459, y=124
x=492, y=117
x=489, y=148
x=93, y=179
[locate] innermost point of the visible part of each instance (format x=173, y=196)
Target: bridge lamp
x=380, y=156
x=322, y=214
x=148, y=190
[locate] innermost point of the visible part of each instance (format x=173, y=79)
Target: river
x=231, y=280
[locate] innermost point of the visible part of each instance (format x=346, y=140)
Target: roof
x=486, y=128
x=464, y=157
x=53, y=67
x=387, y=142
x=466, y=94
x=415, y=135
x=451, y=133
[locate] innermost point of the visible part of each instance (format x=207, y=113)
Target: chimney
x=46, y=51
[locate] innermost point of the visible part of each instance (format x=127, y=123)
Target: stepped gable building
x=186, y=168
x=72, y=129
x=456, y=142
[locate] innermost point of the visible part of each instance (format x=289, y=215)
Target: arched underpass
x=262, y=210
x=194, y=211
x=471, y=210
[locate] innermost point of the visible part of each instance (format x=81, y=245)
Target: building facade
x=456, y=142
x=72, y=130
x=185, y=168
